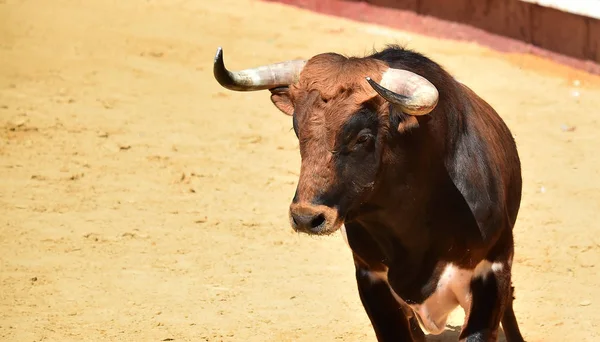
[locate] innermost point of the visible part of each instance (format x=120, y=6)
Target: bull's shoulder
x=484, y=165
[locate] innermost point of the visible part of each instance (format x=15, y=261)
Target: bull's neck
x=399, y=211
x=410, y=175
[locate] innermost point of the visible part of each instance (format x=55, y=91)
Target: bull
x=420, y=174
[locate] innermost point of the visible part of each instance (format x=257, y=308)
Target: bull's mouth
x=314, y=219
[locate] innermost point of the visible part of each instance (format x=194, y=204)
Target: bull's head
x=341, y=116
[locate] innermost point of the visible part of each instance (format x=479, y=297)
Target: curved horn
x=260, y=78
x=414, y=94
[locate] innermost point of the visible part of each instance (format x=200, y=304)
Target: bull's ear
x=407, y=123
x=281, y=99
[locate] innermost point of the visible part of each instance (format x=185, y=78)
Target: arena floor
x=140, y=201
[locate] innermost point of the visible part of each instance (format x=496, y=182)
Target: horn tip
x=219, y=54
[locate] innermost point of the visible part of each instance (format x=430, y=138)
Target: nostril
x=294, y=219
x=317, y=221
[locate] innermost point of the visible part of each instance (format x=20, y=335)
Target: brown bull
x=421, y=174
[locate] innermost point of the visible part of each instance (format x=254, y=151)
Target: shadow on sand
x=451, y=335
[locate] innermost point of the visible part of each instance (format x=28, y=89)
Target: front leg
x=389, y=318
x=491, y=302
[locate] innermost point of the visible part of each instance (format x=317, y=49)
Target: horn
x=414, y=94
x=260, y=78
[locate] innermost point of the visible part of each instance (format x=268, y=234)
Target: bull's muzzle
x=314, y=219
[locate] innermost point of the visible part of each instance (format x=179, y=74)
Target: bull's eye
x=362, y=138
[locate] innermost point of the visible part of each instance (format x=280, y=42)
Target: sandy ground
x=139, y=201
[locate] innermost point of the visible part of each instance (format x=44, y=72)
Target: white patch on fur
x=497, y=267
x=453, y=289
x=485, y=267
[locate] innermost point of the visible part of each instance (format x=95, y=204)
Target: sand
x=139, y=201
